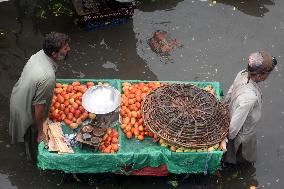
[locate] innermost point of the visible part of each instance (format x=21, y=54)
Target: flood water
x=217, y=36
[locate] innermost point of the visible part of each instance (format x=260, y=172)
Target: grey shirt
x=35, y=86
x=245, y=103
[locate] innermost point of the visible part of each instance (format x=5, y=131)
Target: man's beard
x=62, y=56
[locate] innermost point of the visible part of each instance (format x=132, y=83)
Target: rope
x=207, y=155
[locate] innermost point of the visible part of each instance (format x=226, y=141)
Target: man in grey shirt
x=32, y=94
x=245, y=104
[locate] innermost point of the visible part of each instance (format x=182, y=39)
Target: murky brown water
x=216, y=38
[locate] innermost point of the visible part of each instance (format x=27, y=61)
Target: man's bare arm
x=40, y=119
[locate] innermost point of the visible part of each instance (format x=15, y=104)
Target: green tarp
x=132, y=153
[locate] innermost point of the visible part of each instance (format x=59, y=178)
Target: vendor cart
x=134, y=157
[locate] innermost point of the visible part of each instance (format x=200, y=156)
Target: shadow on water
x=233, y=178
x=238, y=176
x=251, y=7
x=97, y=53
x=154, y=5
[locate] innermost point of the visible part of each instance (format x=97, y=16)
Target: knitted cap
x=259, y=62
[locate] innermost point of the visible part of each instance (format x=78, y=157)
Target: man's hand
x=42, y=137
x=41, y=122
x=223, y=145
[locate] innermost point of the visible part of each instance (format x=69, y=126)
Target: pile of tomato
x=110, y=143
x=67, y=103
x=130, y=109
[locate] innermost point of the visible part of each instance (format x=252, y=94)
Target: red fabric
x=152, y=171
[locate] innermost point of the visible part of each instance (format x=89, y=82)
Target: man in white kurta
x=245, y=103
x=32, y=94
x=35, y=86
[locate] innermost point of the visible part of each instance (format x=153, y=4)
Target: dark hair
x=53, y=42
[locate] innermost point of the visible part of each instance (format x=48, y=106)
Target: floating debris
x=161, y=43
x=173, y=183
x=80, y=74
x=110, y=65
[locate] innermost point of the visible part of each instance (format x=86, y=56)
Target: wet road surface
x=216, y=36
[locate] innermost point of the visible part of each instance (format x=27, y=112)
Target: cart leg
x=76, y=177
x=186, y=177
x=196, y=179
x=86, y=178
x=67, y=177
x=64, y=179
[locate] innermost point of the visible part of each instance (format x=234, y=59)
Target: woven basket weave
x=185, y=115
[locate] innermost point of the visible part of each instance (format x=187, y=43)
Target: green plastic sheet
x=132, y=154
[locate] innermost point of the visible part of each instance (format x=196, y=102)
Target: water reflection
x=153, y=5
x=239, y=176
x=101, y=54
x=251, y=7
x=234, y=177
x=121, y=51
x=5, y=182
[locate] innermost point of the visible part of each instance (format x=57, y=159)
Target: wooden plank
x=57, y=139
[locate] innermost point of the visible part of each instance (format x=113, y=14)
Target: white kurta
x=245, y=101
x=35, y=86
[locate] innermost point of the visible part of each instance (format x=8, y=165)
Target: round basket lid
x=185, y=115
x=101, y=99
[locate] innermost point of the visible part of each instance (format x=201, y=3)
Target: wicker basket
x=185, y=115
